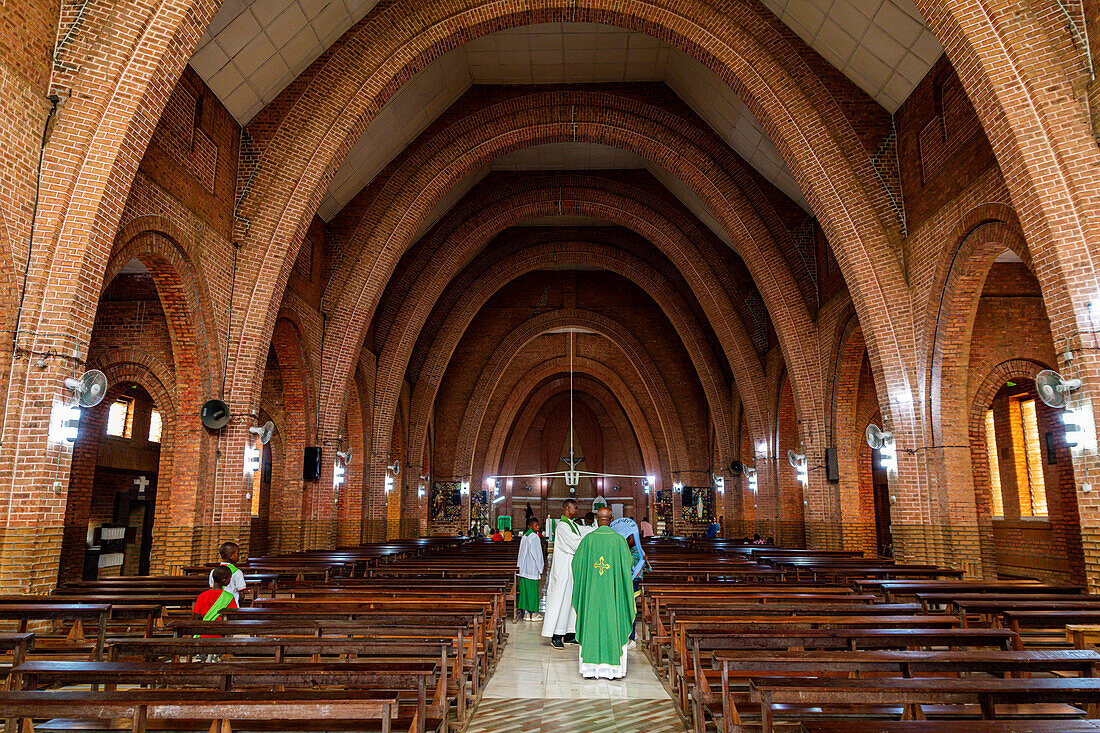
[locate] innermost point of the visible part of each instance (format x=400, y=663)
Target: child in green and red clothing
x=210, y=604
x=230, y=553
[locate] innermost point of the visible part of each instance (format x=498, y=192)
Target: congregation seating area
x=322, y=642
x=756, y=638
x=404, y=637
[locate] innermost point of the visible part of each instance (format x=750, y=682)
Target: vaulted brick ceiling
x=255, y=48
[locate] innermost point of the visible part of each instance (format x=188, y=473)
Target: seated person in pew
x=210, y=603
x=230, y=553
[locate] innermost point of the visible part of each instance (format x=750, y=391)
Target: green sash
x=218, y=606
x=572, y=526
x=232, y=568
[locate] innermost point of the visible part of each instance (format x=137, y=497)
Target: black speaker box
x=832, y=472
x=685, y=496
x=311, y=467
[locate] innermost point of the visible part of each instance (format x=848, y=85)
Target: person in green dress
x=529, y=567
x=603, y=597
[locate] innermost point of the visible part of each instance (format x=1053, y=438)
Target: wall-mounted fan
x=737, y=468
x=795, y=459
x=345, y=456
x=263, y=432
x=395, y=468
x=876, y=436
x=90, y=388
x=1053, y=387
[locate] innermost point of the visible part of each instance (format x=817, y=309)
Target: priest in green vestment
x=603, y=597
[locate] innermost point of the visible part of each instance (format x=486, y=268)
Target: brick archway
x=635, y=353
x=392, y=368
x=980, y=236
x=1011, y=370
x=125, y=367
x=304, y=138
x=187, y=312
x=846, y=431
x=386, y=216
x=549, y=372
x=486, y=213
x=1026, y=76
x=157, y=237
x=115, y=79
x=290, y=499
x=312, y=130
x=554, y=391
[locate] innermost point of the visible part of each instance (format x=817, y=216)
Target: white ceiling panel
x=267, y=43
x=883, y=46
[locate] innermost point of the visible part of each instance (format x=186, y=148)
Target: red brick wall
x=27, y=35
x=1011, y=324
x=941, y=146
x=789, y=529
x=194, y=151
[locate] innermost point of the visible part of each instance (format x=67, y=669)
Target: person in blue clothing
x=713, y=529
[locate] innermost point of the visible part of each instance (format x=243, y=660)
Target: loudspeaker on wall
x=832, y=471
x=311, y=466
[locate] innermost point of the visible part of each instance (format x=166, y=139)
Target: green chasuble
x=603, y=596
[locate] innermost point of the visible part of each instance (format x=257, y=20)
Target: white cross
x=141, y=483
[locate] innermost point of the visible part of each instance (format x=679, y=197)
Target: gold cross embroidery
x=601, y=565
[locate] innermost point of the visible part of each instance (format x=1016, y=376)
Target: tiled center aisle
x=535, y=688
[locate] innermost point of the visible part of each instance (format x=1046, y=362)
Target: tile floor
x=535, y=688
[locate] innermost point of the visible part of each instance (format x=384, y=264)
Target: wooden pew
x=488, y=610
x=1046, y=621
x=828, y=640
x=910, y=588
x=948, y=726
x=695, y=623
x=906, y=663
x=945, y=601
x=992, y=611
x=18, y=646
x=475, y=619
x=145, y=707
x=79, y=614
x=986, y=692
x=380, y=675
x=442, y=649
x=473, y=663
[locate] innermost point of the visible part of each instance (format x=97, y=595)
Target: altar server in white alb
x=529, y=570
x=560, y=622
